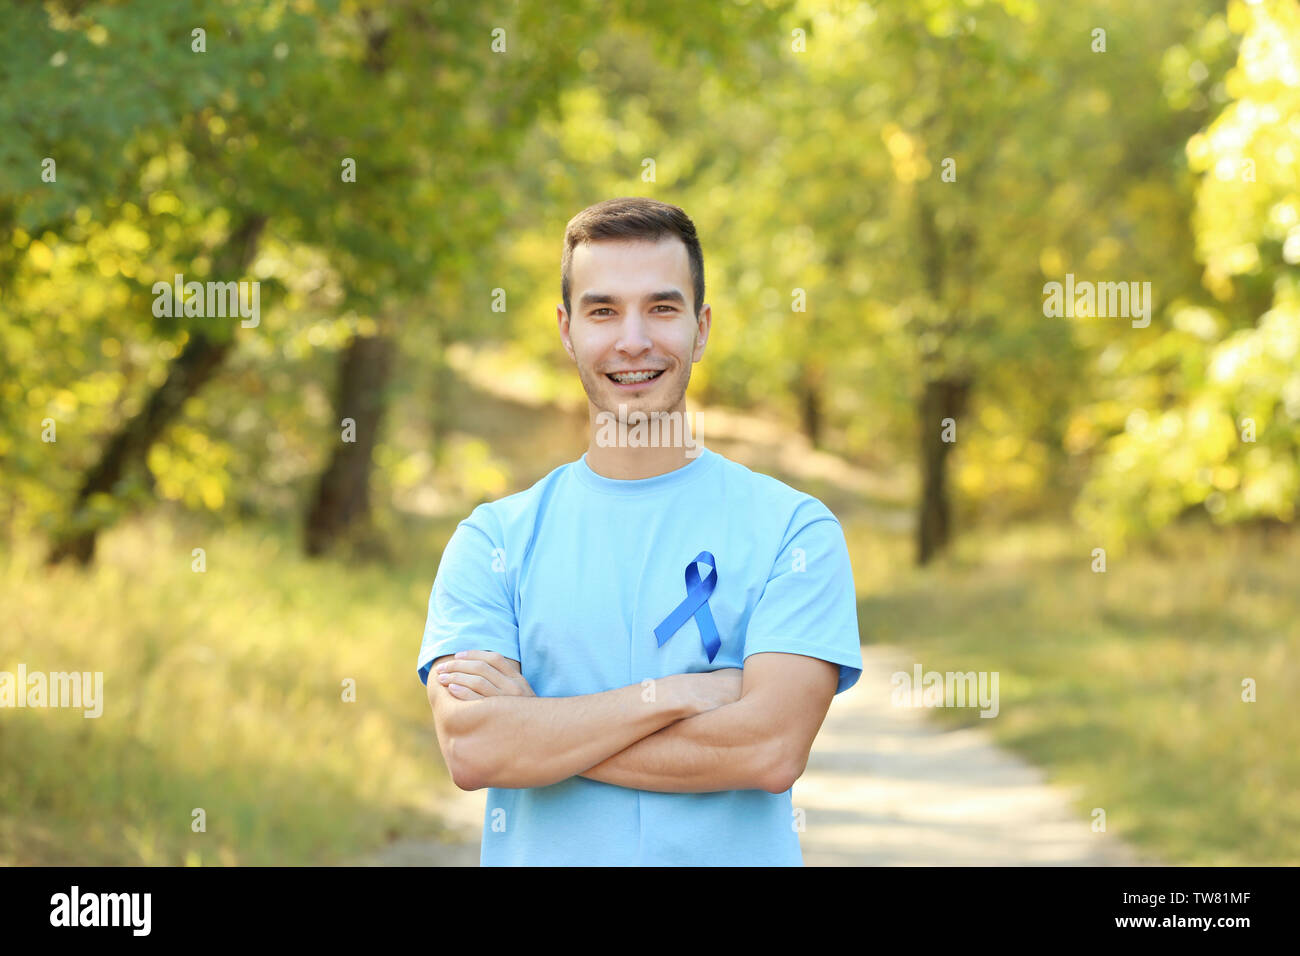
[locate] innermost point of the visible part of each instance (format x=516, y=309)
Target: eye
x=670, y=308
x=603, y=308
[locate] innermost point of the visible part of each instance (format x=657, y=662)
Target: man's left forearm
x=727, y=748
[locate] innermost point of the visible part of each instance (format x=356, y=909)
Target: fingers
x=480, y=676
x=502, y=663
x=463, y=693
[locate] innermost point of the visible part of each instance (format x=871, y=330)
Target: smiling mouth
x=634, y=378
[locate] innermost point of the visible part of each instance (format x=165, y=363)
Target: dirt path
x=886, y=786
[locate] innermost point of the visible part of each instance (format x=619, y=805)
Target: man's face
x=633, y=312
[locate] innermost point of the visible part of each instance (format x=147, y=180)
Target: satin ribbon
x=695, y=605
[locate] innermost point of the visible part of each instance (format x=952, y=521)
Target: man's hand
x=476, y=674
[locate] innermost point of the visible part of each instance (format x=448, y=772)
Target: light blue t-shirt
x=570, y=579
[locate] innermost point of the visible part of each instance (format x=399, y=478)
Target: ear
x=704, y=324
x=562, y=320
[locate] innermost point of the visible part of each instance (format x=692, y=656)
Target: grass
x=1124, y=685
x=223, y=690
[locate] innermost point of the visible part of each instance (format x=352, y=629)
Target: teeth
x=630, y=378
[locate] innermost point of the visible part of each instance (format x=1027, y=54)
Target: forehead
x=630, y=266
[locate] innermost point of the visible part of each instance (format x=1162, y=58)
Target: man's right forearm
x=513, y=742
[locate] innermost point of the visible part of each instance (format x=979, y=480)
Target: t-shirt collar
x=693, y=469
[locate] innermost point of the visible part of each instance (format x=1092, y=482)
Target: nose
x=632, y=337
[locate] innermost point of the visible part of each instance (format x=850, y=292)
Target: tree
x=1212, y=425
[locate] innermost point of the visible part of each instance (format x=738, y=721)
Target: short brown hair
x=631, y=217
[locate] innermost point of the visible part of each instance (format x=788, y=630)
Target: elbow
x=462, y=754
x=779, y=780
x=781, y=770
x=463, y=772
x=470, y=767
x=465, y=783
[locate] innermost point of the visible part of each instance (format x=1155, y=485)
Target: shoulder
x=498, y=530
x=771, y=497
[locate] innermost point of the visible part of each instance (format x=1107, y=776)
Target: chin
x=607, y=398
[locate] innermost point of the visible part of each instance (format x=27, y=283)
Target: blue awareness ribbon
x=695, y=605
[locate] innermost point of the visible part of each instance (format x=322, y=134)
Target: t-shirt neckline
x=701, y=464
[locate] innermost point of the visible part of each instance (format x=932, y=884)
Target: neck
x=619, y=460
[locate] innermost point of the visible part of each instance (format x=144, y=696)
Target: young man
x=646, y=641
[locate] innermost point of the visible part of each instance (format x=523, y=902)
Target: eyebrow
x=605, y=298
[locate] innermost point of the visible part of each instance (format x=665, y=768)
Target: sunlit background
x=883, y=191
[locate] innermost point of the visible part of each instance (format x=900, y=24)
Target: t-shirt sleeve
x=470, y=606
x=809, y=605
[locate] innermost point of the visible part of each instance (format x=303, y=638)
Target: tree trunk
x=810, y=393
x=810, y=412
x=198, y=362
x=342, y=500
x=341, y=504
x=943, y=398
x=441, y=387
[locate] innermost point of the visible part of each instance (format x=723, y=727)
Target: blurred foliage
x=1209, y=408
x=828, y=180
x=914, y=172
x=156, y=170
x=222, y=690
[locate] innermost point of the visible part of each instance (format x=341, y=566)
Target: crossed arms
x=731, y=729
